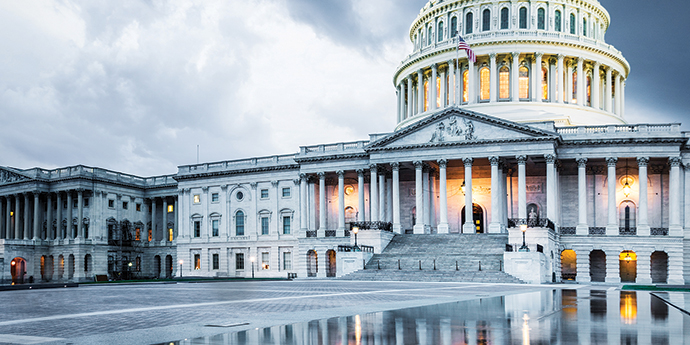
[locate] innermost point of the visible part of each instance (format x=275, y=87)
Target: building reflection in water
x=579, y=316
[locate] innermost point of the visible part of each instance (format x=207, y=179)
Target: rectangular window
x=214, y=197
x=286, y=192
x=286, y=225
x=214, y=224
x=150, y=235
x=86, y=202
x=197, y=228
x=137, y=234
x=197, y=198
x=64, y=204
x=216, y=262
x=138, y=207
x=264, y=225
x=170, y=234
x=171, y=209
x=264, y=260
x=197, y=261
x=124, y=205
x=75, y=203
x=264, y=194
x=287, y=261
x=239, y=261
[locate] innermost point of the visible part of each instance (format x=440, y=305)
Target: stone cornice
x=622, y=141
x=465, y=143
x=236, y=172
x=345, y=156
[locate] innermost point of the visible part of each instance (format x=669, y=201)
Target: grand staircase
x=439, y=257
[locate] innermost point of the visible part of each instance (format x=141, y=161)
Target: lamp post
x=252, y=259
x=181, y=262
x=524, y=248
x=355, y=230
x=129, y=270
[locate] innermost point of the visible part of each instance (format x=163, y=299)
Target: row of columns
x=410, y=90
x=643, y=228
x=154, y=225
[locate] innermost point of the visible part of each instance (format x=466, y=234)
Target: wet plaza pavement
x=337, y=312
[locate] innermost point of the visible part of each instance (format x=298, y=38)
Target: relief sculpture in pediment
x=9, y=177
x=453, y=131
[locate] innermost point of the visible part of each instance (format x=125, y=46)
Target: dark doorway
x=477, y=217
x=18, y=270
x=597, y=266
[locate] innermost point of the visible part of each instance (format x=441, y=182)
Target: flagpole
x=457, y=67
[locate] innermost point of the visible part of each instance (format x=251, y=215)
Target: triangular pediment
x=462, y=127
x=9, y=176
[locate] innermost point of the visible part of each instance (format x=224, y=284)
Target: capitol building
x=527, y=148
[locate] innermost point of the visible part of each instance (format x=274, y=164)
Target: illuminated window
x=239, y=261
x=287, y=261
x=504, y=82
x=574, y=100
x=171, y=208
x=349, y=190
x=484, y=82
x=523, y=17
x=486, y=20
x=265, y=261
x=137, y=265
x=588, y=97
x=197, y=228
x=524, y=82
x=239, y=223
x=137, y=234
x=214, y=225
x=453, y=26
x=150, y=237
x=264, y=194
x=286, y=192
x=170, y=234
x=541, y=19
x=468, y=23
x=214, y=197
x=438, y=92
x=557, y=21
x=504, y=18
x=572, y=24
x=216, y=261
x=439, y=32
x=197, y=198
x=264, y=225
x=464, y=86
x=544, y=83
x=584, y=27
x=197, y=261
x=286, y=225
x=426, y=95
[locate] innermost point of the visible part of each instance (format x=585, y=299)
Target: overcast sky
x=135, y=86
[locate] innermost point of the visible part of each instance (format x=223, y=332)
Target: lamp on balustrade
x=355, y=230
x=524, y=248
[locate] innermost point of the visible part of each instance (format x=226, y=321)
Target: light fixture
x=626, y=187
x=627, y=257
x=355, y=230
x=524, y=248
x=462, y=187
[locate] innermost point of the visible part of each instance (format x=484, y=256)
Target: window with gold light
x=588, y=97
x=438, y=92
x=524, y=82
x=574, y=100
x=504, y=82
x=484, y=83
x=426, y=95
x=544, y=83
x=464, y=86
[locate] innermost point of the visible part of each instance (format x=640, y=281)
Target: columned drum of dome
x=550, y=63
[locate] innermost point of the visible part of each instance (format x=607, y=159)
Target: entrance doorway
x=659, y=267
x=597, y=266
x=18, y=270
x=477, y=217
x=628, y=266
x=312, y=264
x=568, y=265
x=330, y=272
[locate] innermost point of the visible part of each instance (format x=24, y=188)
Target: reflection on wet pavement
x=579, y=316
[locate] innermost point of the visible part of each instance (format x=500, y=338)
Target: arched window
x=557, y=22
x=524, y=82
x=504, y=82
x=523, y=17
x=239, y=223
x=465, y=76
x=453, y=26
x=468, y=23
x=627, y=216
x=426, y=95
x=438, y=92
x=541, y=19
x=430, y=34
x=486, y=20
x=545, y=83
x=439, y=32
x=504, y=18
x=484, y=83
x=584, y=27
x=572, y=24
x=588, y=97
x=574, y=100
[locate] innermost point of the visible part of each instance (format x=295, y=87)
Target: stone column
x=582, y=262
x=452, y=82
x=675, y=227
x=612, y=265
x=644, y=267
x=303, y=202
x=622, y=101
x=582, y=226
x=471, y=83
x=581, y=81
x=26, y=214
x=551, y=212
x=495, y=225
x=608, y=101
x=36, y=227
x=80, y=213
x=382, y=195
x=322, y=201
x=398, y=91
x=443, y=193
x=49, y=217
x=59, y=216
x=373, y=194
x=341, y=202
x=596, y=83
x=165, y=220
x=70, y=225
x=612, y=225
x=410, y=99
x=154, y=205
x=425, y=201
x=389, y=198
x=176, y=218
x=569, y=82
x=493, y=78
x=515, y=78
x=420, y=92
x=419, y=199
x=538, y=76
x=522, y=188
x=643, y=228
x=17, y=228
x=617, y=109
x=3, y=217
x=433, y=89
x=360, y=195
x=560, y=89
x=468, y=227
x=395, y=166
x=444, y=91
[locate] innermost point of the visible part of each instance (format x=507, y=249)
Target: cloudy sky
x=135, y=86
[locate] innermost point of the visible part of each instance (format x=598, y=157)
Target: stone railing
x=386, y=226
x=567, y=230
x=311, y=234
x=597, y=230
x=362, y=248
x=623, y=231
x=515, y=247
x=672, y=128
x=109, y=175
x=330, y=233
x=658, y=231
x=531, y=223
x=333, y=148
x=258, y=162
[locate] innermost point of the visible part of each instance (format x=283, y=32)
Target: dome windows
x=572, y=24
x=430, y=34
x=557, y=21
x=468, y=23
x=484, y=83
x=504, y=82
x=453, y=27
x=524, y=82
x=504, y=18
x=541, y=19
x=465, y=84
x=439, y=32
x=523, y=17
x=544, y=83
x=486, y=20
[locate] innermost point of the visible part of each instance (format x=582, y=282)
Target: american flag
x=463, y=45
